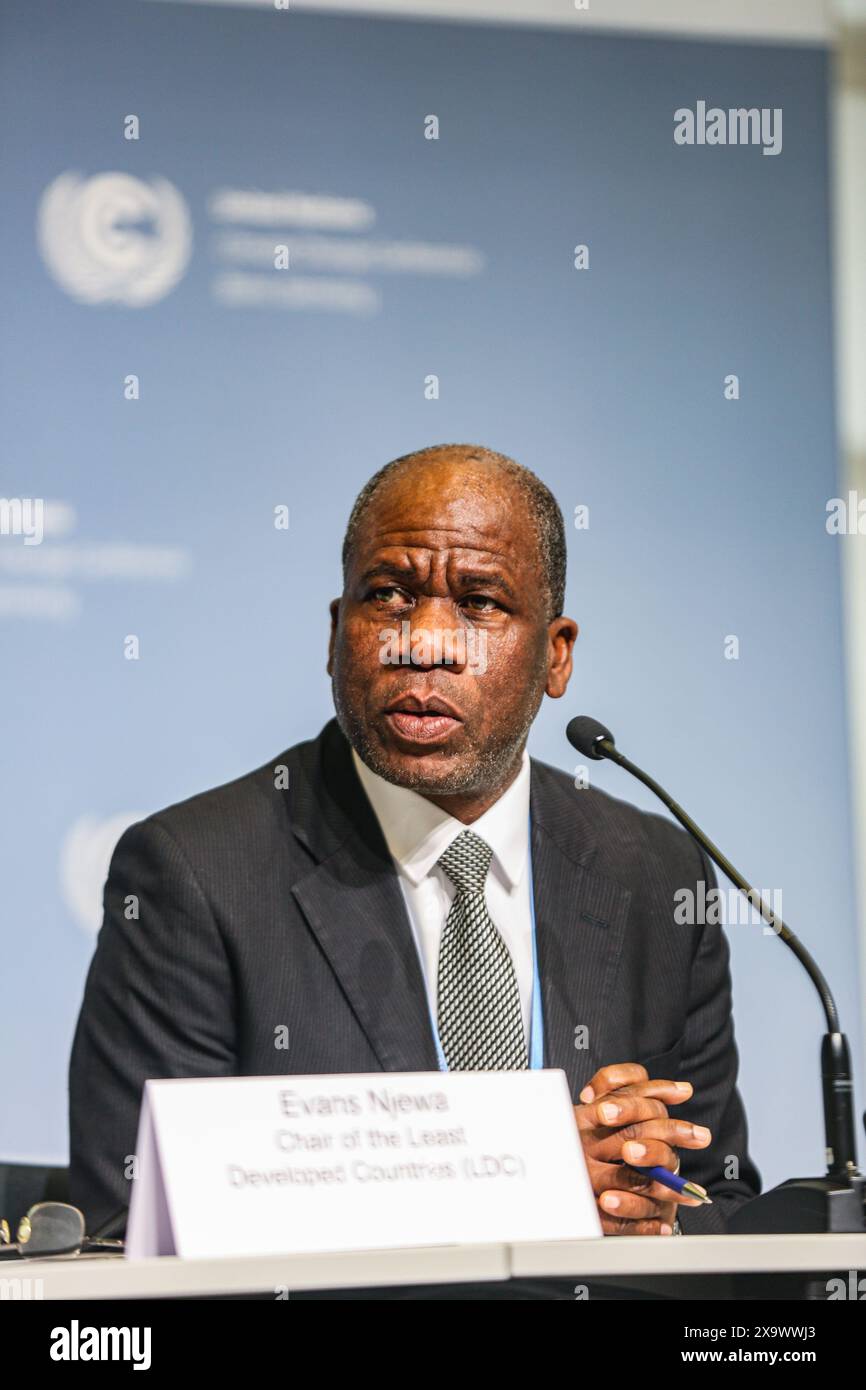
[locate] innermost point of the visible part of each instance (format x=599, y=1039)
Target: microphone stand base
x=803, y=1205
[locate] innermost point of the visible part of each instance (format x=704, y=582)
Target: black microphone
x=831, y=1203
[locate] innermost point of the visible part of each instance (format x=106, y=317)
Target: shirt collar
x=417, y=833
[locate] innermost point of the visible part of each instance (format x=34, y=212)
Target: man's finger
x=614, y=1226
x=672, y=1092
x=609, y=1114
x=619, y=1109
x=630, y=1206
x=626, y=1107
x=678, y=1134
x=619, y=1177
x=610, y=1077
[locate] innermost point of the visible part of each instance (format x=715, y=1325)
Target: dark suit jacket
x=261, y=909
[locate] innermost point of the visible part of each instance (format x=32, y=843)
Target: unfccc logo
x=114, y=239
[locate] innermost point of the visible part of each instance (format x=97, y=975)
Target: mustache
x=428, y=649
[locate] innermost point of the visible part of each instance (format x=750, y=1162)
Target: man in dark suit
x=409, y=890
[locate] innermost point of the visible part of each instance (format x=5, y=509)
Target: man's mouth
x=422, y=719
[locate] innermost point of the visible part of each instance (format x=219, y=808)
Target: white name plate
x=300, y=1164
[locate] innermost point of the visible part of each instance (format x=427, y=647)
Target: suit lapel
x=354, y=906
x=580, y=922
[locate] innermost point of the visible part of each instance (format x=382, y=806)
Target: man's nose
x=434, y=637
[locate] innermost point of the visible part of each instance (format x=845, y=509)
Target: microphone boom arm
x=815, y=974
x=593, y=740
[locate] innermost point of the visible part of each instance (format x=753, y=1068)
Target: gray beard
x=489, y=766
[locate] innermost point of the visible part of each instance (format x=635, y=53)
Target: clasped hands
x=623, y=1119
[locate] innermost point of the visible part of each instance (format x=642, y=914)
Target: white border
x=848, y=132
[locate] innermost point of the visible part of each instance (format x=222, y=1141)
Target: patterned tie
x=479, y=1016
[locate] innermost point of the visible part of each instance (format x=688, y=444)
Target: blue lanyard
x=536, y=1029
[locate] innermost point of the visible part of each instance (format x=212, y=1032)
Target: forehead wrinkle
x=400, y=543
x=437, y=530
x=396, y=520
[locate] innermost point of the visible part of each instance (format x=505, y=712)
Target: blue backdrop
x=259, y=387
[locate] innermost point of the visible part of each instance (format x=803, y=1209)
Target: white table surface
x=100, y=1276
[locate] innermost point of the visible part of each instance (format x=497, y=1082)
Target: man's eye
x=387, y=593
x=480, y=603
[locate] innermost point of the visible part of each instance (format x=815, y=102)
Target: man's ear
x=562, y=635
x=334, y=607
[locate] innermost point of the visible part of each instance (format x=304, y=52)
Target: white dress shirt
x=417, y=833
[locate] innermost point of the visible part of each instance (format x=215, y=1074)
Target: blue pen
x=674, y=1182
